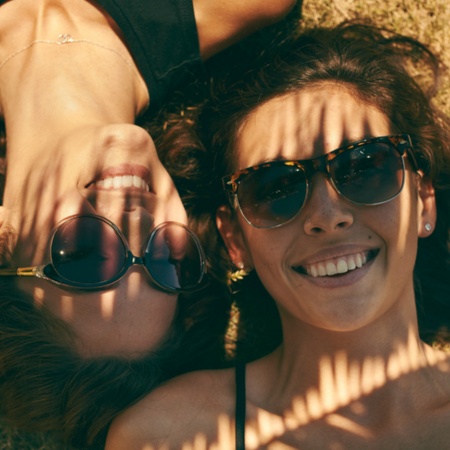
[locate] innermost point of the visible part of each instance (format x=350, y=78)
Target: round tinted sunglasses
x=367, y=172
x=89, y=252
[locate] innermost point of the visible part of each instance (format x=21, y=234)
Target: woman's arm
x=221, y=23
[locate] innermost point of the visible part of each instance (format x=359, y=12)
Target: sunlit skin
x=328, y=227
x=63, y=136
x=69, y=112
x=351, y=354
x=132, y=316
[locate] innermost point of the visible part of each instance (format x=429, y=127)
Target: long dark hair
x=46, y=386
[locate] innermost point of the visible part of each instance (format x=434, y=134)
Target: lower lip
x=344, y=280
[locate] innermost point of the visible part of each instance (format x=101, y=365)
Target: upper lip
x=333, y=253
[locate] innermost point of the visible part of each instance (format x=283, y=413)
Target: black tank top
x=163, y=40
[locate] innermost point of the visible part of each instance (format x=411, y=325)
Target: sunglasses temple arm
x=410, y=153
x=35, y=271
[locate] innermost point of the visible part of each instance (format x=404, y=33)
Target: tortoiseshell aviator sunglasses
x=367, y=172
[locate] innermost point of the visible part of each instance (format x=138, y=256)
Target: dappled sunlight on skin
x=225, y=432
x=343, y=384
x=57, y=187
x=66, y=303
x=225, y=427
x=127, y=320
x=352, y=371
x=348, y=425
x=107, y=308
x=57, y=200
x=278, y=130
x=338, y=410
x=351, y=351
x=339, y=405
x=322, y=124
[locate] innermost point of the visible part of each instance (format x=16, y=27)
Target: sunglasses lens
x=370, y=174
x=272, y=195
x=174, y=258
x=88, y=251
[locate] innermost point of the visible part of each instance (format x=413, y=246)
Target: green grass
x=427, y=20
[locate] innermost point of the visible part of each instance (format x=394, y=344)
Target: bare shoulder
x=175, y=412
x=222, y=22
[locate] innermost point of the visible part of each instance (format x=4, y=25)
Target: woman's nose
x=136, y=226
x=325, y=211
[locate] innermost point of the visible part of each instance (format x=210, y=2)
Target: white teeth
x=127, y=180
x=358, y=260
x=331, y=268
x=321, y=270
x=123, y=181
x=117, y=182
x=343, y=265
x=351, y=264
x=137, y=181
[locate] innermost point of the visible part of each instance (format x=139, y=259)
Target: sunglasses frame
x=41, y=271
x=401, y=142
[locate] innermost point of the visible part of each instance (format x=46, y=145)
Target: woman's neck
x=316, y=372
x=67, y=65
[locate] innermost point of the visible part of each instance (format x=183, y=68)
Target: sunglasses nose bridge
x=316, y=165
x=136, y=260
x=319, y=165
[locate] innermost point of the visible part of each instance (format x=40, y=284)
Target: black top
x=162, y=38
x=240, y=406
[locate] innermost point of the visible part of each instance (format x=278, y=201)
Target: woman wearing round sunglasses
x=73, y=149
x=94, y=247
x=335, y=171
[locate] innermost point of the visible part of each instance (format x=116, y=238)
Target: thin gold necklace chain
x=64, y=39
x=67, y=39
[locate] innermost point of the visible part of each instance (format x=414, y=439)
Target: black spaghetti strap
x=240, y=406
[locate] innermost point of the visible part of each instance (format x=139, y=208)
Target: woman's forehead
x=300, y=124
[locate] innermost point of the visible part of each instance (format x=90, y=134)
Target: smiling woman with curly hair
x=328, y=175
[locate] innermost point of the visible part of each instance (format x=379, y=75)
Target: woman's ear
x=427, y=207
x=231, y=233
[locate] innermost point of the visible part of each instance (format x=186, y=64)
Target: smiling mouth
x=337, y=266
x=121, y=182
